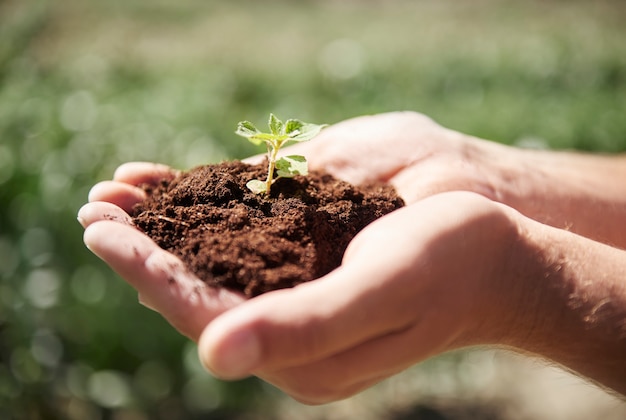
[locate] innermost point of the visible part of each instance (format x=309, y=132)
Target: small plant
x=280, y=134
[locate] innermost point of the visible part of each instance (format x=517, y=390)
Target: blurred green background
x=87, y=85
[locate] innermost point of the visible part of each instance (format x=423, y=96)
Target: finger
x=294, y=326
x=121, y=194
x=416, y=182
x=137, y=173
x=298, y=387
x=101, y=210
x=161, y=279
x=255, y=160
x=347, y=373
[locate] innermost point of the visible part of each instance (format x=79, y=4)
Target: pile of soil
x=231, y=237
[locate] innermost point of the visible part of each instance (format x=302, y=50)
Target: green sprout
x=280, y=134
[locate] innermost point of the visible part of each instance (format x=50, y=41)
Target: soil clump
x=230, y=237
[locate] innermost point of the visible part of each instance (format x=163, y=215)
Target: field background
x=87, y=85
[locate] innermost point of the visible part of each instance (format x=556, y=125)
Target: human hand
x=350, y=150
x=160, y=278
x=583, y=193
x=560, y=188
x=408, y=150
x=449, y=271
x=420, y=281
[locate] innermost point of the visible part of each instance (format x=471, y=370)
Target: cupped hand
x=436, y=275
x=373, y=314
x=163, y=282
x=422, y=280
x=408, y=150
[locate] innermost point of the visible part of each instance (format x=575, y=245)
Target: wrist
x=573, y=303
x=517, y=286
x=532, y=271
x=502, y=300
x=582, y=193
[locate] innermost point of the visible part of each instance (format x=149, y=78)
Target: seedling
x=280, y=134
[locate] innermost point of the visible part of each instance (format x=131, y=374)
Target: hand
x=583, y=193
x=406, y=149
x=419, y=156
x=449, y=271
x=422, y=280
x=160, y=278
x=350, y=352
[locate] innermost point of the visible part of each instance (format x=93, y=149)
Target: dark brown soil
x=230, y=237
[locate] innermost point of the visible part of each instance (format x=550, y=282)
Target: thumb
x=317, y=319
x=290, y=327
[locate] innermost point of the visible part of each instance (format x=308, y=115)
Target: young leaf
x=248, y=130
x=276, y=125
x=306, y=132
x=290, y=166
x=293, y=127
x=257, y=186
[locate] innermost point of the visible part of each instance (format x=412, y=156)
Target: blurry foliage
x=87, y=85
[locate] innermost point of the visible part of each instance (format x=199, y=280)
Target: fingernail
x=81, y=221
x=236, y=357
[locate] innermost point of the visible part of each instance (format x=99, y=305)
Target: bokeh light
x=88, y=85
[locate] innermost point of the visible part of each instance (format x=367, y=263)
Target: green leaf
x=290, y=166
x=293, y=127
x=276, y=126
x=248, y=130
x=257, y=186
x=306, y=132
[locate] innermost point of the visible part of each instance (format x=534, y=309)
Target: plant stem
x=272, y=153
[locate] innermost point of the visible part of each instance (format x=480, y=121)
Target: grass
x=87, y=85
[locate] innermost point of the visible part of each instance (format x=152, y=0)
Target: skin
x=496, y=246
